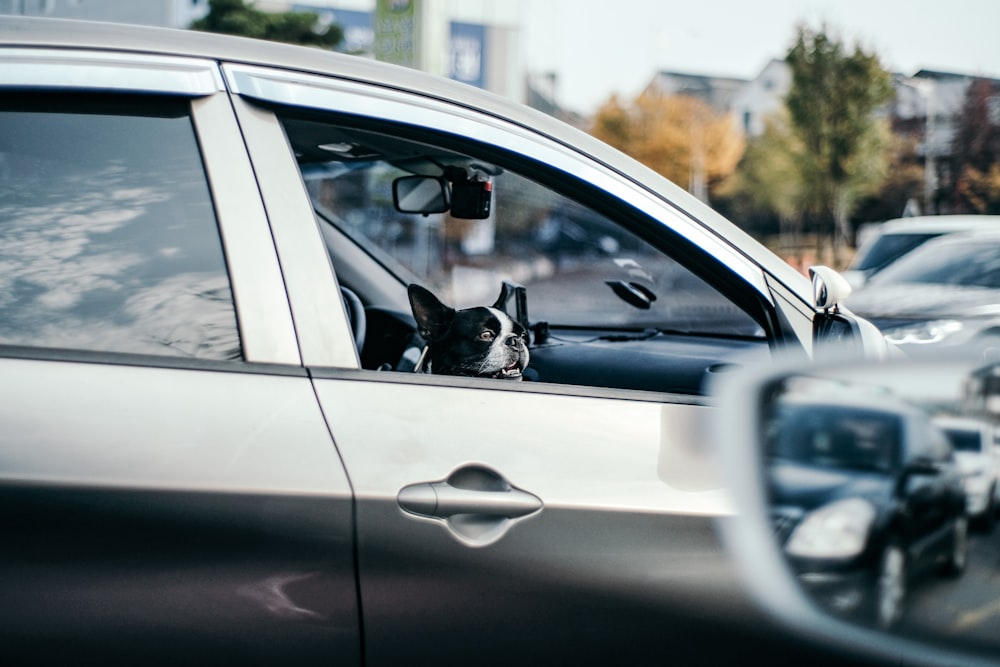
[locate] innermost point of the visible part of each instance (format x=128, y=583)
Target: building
x=164, y=13
x=477, y=42
x=718, y=91
x=473, y=41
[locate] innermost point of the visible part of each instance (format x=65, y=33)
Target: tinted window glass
x=108, y=239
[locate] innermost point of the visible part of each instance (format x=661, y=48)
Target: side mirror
x=830, y=289
x=421, y=194
x=827, y=538
x=834, y=326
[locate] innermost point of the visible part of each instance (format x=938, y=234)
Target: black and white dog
x=482, y=342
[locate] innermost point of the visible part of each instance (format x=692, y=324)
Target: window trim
x=321, y=323
x=106, y=71
x=267, y=331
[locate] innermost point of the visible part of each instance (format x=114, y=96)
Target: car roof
x=931, y=224
x=63, y=34
x=976, y=235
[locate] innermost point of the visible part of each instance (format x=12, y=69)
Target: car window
x=964, y=440
x=108, y=239
x=581, y=268
x=951, y=261
x=888, y=247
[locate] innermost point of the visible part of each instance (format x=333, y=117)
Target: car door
x=499, y=521
x=169, y=491
x=933, y=489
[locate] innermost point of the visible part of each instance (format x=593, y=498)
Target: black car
x=866, y=495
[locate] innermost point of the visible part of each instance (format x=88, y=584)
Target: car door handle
x=442, y=500
x=476, y=504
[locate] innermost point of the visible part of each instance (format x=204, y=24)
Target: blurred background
x=807, y=123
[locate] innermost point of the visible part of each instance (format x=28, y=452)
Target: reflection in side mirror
x=868, y=495
x=420, y=194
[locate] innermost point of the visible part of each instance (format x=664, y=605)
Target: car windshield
x=969, y=261
x=964, y=440
x=887, y=248
x=837, y=437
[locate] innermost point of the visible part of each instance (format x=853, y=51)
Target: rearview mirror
x=867, y=499
x=421, y=194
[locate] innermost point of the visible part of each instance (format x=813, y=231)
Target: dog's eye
x=487, y=335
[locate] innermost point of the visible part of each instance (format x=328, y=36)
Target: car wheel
x=891, y=587
x=958, y=557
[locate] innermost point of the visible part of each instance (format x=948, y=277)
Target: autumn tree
x=678, y=136
x=976, y=150
x=236, y=17
x=831, y=105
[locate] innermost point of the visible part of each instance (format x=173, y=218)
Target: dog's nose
x=513, y=340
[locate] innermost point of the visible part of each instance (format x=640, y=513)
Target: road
x=965, y=610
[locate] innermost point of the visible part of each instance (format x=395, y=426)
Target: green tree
x=236, y=17
x=831, y=106
x=767, y=184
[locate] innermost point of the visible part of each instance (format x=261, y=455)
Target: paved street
x=960, y=610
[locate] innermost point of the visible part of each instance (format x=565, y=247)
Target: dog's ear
x=501, y=302
x=433, y=317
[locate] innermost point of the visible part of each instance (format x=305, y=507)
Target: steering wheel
x=357, y=317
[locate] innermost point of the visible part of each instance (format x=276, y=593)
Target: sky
x=602, y=47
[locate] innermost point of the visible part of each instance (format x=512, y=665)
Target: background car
x=888, y=241
x=211, y=444
x=866, y=496
x=942, y=296
x=972, y=440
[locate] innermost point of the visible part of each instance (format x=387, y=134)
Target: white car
x=890, y=240
x=972, y=440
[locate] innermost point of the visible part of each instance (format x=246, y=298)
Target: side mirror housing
x=834, y=326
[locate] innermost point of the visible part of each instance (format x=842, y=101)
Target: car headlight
x=837, y=530
x=923, y=333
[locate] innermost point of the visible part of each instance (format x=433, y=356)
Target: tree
x=767, y=183
x=831, y=105
x=235, y=17
x=678, y=136
x=976, y=150
x=904, y=177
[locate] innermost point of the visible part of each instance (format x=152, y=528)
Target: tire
x=890, y=587
x=958, y=554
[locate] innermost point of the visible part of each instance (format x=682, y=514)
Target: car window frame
x=255, y=88
x=264, y=320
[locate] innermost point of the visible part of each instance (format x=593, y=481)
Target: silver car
x=213, y=446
